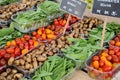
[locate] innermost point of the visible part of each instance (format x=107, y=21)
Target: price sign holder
x=73, y=7
x=106, y=8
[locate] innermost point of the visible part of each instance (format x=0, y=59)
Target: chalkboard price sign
x=107, y=7
x=75, y=7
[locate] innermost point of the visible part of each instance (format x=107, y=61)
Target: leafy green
x=55, y=68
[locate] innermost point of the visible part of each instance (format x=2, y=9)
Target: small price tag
x=107, y=7
x=74, y=7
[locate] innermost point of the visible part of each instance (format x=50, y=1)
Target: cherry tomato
x=106, y=68
x=117, y=44
x=95, y=58
x=2, y=62
x=7, y=56
x=111, y=52
x=116, y=49
x=31, y=42
x=34, y=33
x=109, y=58
x=2, y=52
x=96, y=64
x=115, y=59
x=17, y=51
x=112, y=42
x=27, y=37
x=101, y=63
x=56, y=23
x=116, y=39
x=18, y=41
x=118, y=53
x=10, y=50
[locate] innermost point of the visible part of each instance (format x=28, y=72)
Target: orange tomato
x=51, y=36
x=39, y=32
x=112, y=42
x=48, y=31
x=108, y=63
x=103, y=58
x=43, y=36
x=36, y=43
x=24, y=51
x=96, y=64
x=13, y=43
x=8, y=43
x=117, y=44
x=104, y=54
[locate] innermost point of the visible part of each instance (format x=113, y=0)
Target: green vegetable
x=6, y=31
x=9, y=37
x=35, y=18
x=6, y=2
x=55, y=68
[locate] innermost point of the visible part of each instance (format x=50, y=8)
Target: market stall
x=39, y=41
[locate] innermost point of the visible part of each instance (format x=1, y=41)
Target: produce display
x=52, y=67
x=33, y=60
x=11, y=73
x=34, y=47
x=16, y=48
x=32, y=19
x=54, y=30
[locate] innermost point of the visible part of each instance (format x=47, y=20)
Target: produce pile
x=7, y=11
x=11, y=73
x=105, y=62
x=52, y=67
x=34, y=47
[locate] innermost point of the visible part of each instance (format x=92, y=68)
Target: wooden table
x=80, y=75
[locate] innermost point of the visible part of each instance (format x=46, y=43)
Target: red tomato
x=112, y=42
x=2, y=52
x=118, y=53
x=106, y=68
x=2, y=62
x=26, y=45
x=34, y=33
x=109, y=58
x=7, y=56
x=31, y=47
x=115, y=59
x=116, y=49
x=27, y=37
x=111, y=52
x=95, y=58
x=56, y=23
x=116, y=39
x=101, y=63
x=17, y=51
x=111, y=47
x=18, y=41
x=10, y=50
x=21, y=46
x=31, y=42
